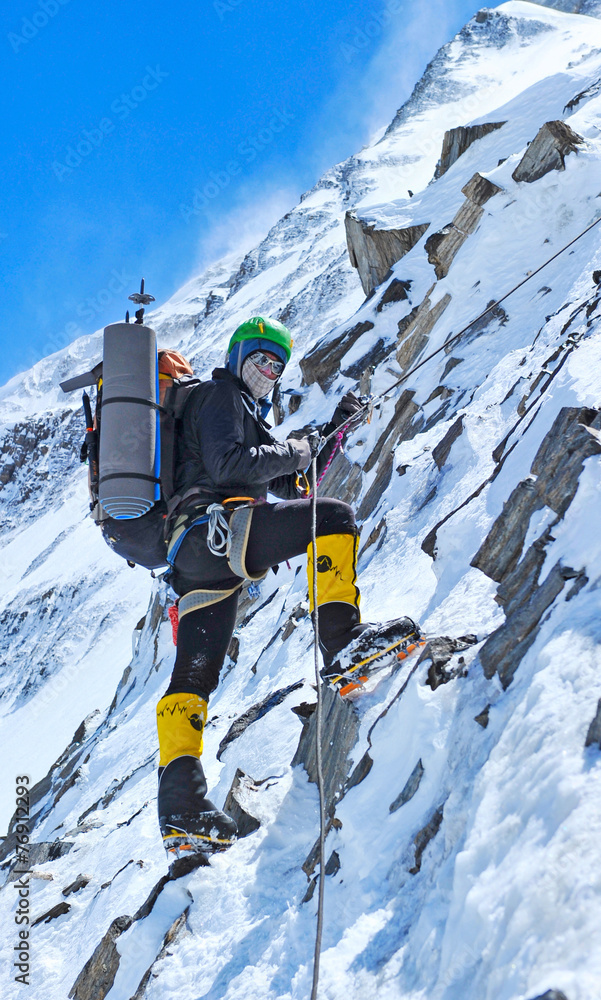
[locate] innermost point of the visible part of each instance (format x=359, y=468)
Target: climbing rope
x=340, y=432
x=366, y=408
x=318, y=731
x=218, y=530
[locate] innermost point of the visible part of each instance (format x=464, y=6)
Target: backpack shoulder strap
x=176, y=399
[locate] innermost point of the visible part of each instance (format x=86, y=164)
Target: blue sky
x=149, y=138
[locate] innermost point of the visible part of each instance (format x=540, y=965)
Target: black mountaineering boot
x=188, y=820
x=378, y=646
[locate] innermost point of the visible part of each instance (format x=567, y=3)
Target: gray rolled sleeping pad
x=129, y=433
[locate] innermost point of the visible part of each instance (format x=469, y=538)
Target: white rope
x=218, y=530
x=318, y=731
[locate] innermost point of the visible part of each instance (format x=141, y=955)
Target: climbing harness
x=451, y=340
x=184, y=523
x=228, y=531
x=219, y=531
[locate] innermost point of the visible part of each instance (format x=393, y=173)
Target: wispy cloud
x=387, y=54
x=243, y=226
x=411, y=39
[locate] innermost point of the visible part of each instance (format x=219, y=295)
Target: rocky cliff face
x=462, y=787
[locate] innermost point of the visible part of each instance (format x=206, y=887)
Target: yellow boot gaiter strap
x=181, y=720
x=336, y=570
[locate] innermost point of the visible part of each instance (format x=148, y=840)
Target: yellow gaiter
x=336, y=570
x=181, y=720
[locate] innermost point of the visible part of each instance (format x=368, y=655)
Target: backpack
x=141, y=539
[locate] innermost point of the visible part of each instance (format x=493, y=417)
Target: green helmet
x=257, y=328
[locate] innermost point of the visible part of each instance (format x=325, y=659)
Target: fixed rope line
x=318, y=732
x=451, y=340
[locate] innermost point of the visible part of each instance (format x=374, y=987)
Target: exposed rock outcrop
x=256, y=712
x=238, y=803
x=423, y=838
x=322, y=364
x=594, y=730
x=52, y=914
x=339, y=733
x=547, y=151
x=410, y=788
x=343, y=479
x=80, y=883
x=413, y=336
x=482, y=717
x=443, y=246
x=440, y=650
x=443, y=449
x=401, y=427
x=551, y=994
x=98, y=974
x=97, y=977
x=178, y=928
x=493, y=315
x=373, y=251
x=553, y=482
x=396, y=291
x=368, y=362
x=457, y=140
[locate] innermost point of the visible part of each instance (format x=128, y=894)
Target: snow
x=507, y=902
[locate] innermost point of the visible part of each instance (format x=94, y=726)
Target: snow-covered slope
x=464, y=848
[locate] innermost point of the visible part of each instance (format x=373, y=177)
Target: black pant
x=279, y=531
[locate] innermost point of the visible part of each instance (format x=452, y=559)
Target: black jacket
x=225, y=448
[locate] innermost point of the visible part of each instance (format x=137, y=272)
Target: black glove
x=348, y=406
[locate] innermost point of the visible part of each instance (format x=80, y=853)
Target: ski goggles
x=263, y=361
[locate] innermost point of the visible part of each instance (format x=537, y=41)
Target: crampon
x=352, y=676
x=180, y=844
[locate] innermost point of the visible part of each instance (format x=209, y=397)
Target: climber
x=225, y=532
